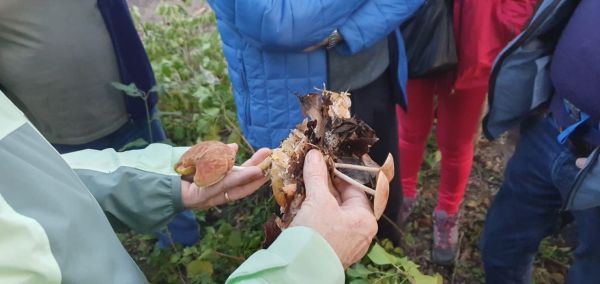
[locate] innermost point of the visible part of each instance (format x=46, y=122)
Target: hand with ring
x=236, y=185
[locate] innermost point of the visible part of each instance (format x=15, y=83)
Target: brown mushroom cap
x=382, y=193
x=214, y=158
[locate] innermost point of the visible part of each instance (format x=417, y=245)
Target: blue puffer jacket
x=520, y=85
x=263, y=42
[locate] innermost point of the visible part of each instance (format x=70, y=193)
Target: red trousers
x=482, y=28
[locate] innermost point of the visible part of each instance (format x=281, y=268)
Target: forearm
x=138, y=188
x=287, y=25
x=373, y=22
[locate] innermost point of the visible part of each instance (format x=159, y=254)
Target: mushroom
x=381, y=195
x=344, y=142
x=382, y=189
x=216, y=159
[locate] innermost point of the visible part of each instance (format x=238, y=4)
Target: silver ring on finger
x=227, y=197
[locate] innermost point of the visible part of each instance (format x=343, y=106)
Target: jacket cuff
x=299, y=255
x=176, y=199
x=353, y=39
x=304, y=244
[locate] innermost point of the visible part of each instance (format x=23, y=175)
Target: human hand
x=346, y=223
x=581, y=162
x=237, y=184
x=319, y=45
x=335, y=36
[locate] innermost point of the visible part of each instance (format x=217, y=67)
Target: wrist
x=177, y=194
x=333, y=39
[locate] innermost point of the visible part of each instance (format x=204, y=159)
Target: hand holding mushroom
x=344, y=142
x=216, y=180
x=347, y=224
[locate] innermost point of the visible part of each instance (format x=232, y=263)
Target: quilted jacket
x=263, y=42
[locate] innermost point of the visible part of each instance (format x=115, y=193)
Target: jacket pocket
x=585, y=192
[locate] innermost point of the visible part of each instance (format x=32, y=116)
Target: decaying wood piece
x=343, y=140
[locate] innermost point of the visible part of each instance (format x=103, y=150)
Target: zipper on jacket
x=531, y=28
x=246, y=93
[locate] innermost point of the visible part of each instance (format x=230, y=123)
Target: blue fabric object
x=564, y=135
x=575, y=123
x=576, y=60
x=183, y=229
x=133, y=62
x=585, y=192
x=527, y=209
x=263, y=42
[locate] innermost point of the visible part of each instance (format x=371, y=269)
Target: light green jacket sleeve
x=299, y=255
x=137, y=189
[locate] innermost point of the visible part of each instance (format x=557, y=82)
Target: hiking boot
x=407, y=207
x=445, y=238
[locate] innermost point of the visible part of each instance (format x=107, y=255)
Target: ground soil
x=486, y=178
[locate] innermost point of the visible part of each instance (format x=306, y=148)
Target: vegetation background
x=196, y=104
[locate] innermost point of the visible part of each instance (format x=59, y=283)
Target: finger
x=235, y=178
x=351, y=196
x=316, y=177
x=334, y=192
x=233, y=146
x=580, y=163
x=319, y=45
x=242, y=191
x=312, y=48
x=258, y=157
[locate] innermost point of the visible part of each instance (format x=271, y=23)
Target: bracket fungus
x=344, y=142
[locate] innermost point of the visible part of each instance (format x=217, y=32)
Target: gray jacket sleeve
x=137, y=189
x=51, y=228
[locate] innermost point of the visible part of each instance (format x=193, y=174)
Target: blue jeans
x=183, y=228
x=527, y=209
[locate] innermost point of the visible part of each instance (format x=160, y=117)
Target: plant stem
x=236, y=128
x=148, y=118
x=238, y=258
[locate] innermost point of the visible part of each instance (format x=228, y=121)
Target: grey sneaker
x=445, y=238
x=407, y=207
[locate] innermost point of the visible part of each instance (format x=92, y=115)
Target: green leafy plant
x=133, y=91
x=195, y=92
x=388, y=266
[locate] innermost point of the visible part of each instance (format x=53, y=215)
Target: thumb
x=316, y=178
